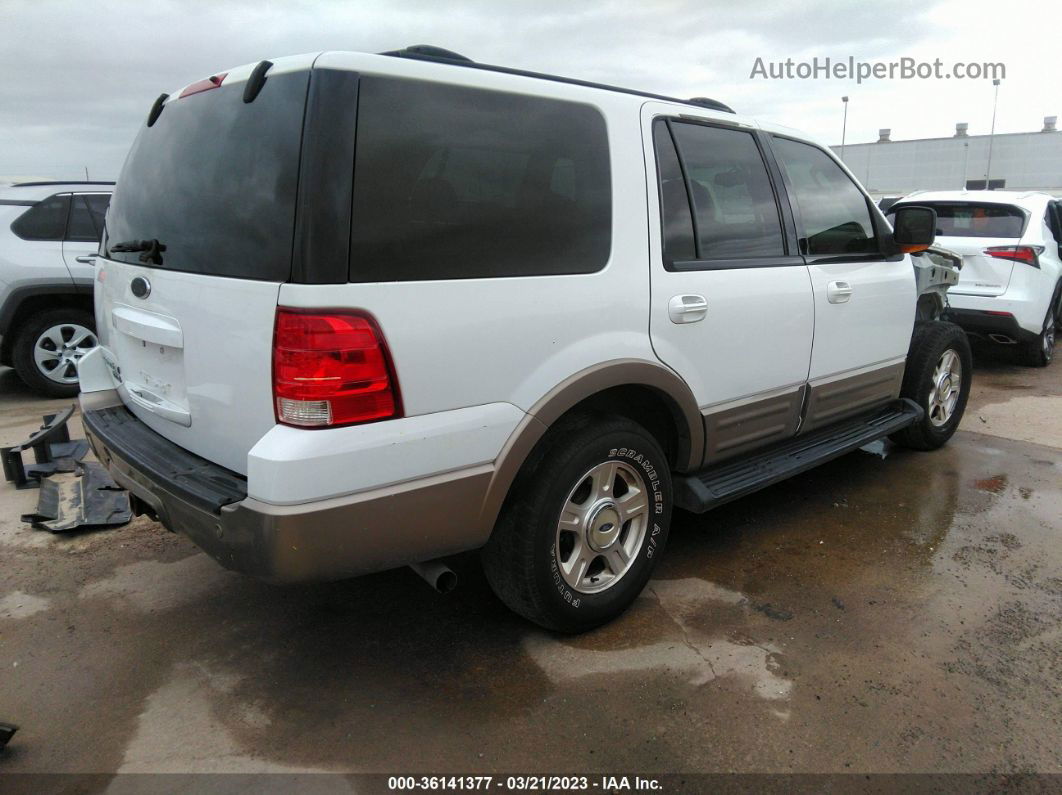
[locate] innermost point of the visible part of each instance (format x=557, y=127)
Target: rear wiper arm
x=152, y=249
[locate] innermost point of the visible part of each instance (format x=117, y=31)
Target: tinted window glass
x=735, y=212
x=833, y=210
x=214, y=181
x=976, y=220
x=82, y=224
x=97, y=205
x=453, y=182
x=45, y=220
x=674, y=201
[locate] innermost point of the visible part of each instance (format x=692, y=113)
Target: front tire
x=584, y=524
x=938, y=376
x=46, y=351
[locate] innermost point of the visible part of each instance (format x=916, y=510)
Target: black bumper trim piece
x=981, y=323
x=195, y=480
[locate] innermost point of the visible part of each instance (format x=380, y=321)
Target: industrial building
x=1029, y=161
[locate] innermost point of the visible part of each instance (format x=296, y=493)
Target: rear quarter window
x=457, y=183
x=46, y=220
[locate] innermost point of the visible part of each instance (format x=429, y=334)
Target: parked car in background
x=360, y=311
x=49, y=236
x=1010, y=285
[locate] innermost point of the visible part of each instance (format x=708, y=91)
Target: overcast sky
x=79, y=77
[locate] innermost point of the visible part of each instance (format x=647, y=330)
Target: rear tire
x=584, y=524
x=938, y=358
x=43, y=354
x=1039, y=352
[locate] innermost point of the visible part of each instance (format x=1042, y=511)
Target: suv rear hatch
x=968, y=229
x=199, y=238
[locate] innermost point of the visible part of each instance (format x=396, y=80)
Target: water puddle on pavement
x=695, y=655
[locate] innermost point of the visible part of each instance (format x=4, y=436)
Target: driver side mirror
x=914, y=228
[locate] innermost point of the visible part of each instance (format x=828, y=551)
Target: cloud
x=80, y=77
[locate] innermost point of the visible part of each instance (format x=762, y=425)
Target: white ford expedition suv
x=361, y=311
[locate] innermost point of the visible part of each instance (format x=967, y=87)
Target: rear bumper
x=996, y=327
x=323, y=540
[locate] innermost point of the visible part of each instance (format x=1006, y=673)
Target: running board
x=730, y=480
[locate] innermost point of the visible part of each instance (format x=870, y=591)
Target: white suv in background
x=1010, y=286
x=49, y=235
x=360, y=311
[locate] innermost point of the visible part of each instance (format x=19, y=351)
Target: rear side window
x=674, y=200
x=976, y=220
x=833, y=210
x=86, y=218
x=735, y=213
x=46, y=220
x=214, y=180
x=457, y=183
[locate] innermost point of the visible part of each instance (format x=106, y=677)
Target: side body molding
x=573, y=390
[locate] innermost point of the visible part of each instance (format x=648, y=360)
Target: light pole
x=844, y=125
x=965, y=161
x=992, y=135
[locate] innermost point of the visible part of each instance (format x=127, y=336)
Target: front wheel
x=48, y=348
x=584, y=524
x=938, y=376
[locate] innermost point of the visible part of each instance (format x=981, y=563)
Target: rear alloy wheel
x=584, y=524
x=1039, y=352
x=47, y=351
x=937, y=377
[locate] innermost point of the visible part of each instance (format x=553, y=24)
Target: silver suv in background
x=49, y=235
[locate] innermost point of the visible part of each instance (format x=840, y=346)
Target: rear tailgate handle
x=838, y=292
x=687, y=308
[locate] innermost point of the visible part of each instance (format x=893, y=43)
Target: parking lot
x=890, y=611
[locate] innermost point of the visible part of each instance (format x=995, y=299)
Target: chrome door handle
x=838, y=292
x=687, y=308
x=86, y=259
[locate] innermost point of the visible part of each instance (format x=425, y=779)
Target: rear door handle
x=838, y=292
x=687, y=308
x=86, y=259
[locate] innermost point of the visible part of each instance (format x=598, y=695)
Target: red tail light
x=1030, y=255
x=331, y=368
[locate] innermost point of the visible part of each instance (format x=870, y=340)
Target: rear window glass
x=976, y=220
x=457, y=183
x=46, y=220
x=86, y=218
x=214, y=180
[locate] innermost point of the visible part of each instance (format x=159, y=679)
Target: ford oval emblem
x=141, y=287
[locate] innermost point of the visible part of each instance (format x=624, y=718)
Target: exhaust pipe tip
x=1002, y=339
x=437, y=574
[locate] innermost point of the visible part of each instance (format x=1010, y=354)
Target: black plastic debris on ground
x=53, y=451
x=89, y=500
x=7, y=731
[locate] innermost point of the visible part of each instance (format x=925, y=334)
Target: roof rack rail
x=429, y=52
x=63, y=182
x=708, y=102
